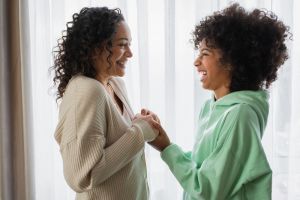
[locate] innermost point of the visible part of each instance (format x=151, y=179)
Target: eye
x=122, y=44
x=204, y=53
x=201, y=55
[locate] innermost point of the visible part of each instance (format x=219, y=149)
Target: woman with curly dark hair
x=101, y=143
x=239, y=55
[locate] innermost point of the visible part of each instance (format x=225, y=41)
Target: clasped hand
x=162, y=140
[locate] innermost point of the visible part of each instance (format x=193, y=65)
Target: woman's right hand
x=162, y=140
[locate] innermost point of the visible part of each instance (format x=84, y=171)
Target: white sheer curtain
x=162, y=78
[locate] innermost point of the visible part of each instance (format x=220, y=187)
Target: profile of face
x=120, y=53
x=213, y=75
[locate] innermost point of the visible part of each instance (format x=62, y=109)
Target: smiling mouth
x=202, y=74
x=121, y=63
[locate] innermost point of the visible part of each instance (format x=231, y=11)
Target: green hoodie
x=228, y=160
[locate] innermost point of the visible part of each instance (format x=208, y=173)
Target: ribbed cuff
x=149, y=133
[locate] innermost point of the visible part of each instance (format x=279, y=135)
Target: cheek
x=118, y=53
x=115, y=58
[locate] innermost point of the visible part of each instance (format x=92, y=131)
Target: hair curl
x=252, y=44
x=89, y=30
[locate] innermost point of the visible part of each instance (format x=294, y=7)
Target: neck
x=102, y=76
x=221, y=92
x=103, y=79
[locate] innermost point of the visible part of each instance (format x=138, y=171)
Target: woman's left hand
x=162, y=140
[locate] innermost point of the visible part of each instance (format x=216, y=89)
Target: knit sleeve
x=87, y=160
x=238, y=159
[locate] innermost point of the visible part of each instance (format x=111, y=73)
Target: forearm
x=185, y=171
x=119, y=154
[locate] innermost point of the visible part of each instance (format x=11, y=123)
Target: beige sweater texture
x=103, y=154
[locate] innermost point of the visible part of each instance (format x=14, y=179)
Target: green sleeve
x=237, y=159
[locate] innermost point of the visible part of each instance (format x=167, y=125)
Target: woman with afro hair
x=101, y=142
x=239, y=56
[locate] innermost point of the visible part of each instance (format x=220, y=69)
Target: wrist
x=163, y=147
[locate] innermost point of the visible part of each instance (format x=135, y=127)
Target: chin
x=202, y=85
x=205, y=87
x=121, y=74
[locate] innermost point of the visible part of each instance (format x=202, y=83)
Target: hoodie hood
x=257, y=100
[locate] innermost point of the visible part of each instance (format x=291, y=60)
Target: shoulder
x=242, y=112
x=86, y=87
x=86, y=83
x=239, y=124
x=242, y=121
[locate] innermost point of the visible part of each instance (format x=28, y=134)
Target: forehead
x=123, y=31
x=206, y=45
x=203, y=44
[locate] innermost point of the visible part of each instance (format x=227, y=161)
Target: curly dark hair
x=91, y=29
x=252, y=44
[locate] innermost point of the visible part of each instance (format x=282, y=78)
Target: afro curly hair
x=252, y=44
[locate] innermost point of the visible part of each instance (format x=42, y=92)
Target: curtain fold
x=6, y=191
x=16, y=152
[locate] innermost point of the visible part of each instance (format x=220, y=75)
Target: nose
x=129, y=52
x=197, y=61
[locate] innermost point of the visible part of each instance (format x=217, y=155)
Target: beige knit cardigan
x=103, y=154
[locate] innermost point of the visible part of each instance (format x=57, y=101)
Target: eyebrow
x=122, y=39
x=207, y=49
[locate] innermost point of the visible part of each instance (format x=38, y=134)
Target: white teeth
x=202, y=74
